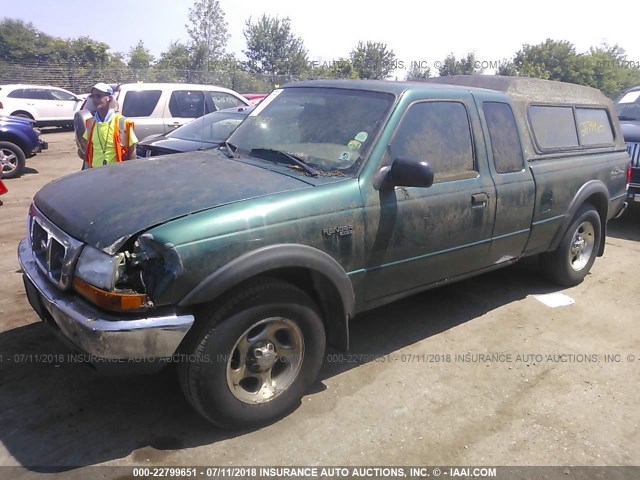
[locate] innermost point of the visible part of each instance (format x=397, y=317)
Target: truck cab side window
x=505, y=142
x=438, y=133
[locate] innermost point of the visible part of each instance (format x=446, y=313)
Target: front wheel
x=254, y=357
x=12, y=160
x=574, y=257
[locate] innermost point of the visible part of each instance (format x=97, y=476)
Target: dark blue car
x=18, y=141
x=628, y=108
x=203, y=133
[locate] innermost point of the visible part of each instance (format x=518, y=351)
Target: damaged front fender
x=160, y=265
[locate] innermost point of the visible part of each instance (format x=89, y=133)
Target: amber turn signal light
x=117, y=302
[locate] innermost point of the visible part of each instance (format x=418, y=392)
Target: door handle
x=479, y=200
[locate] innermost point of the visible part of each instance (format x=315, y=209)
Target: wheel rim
x=8, y=160
x=582, y=245
x=266, y=360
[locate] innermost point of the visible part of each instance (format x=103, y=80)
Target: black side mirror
x=404, y=173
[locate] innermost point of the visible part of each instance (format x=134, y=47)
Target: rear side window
x=140, y=103
x=17, y=93
x=62, y=95
x=505, y=142
x=553, y=127
x=38, y=94
x=224, y=100
x=594, y=126
x=187, y=104
x=439, y=133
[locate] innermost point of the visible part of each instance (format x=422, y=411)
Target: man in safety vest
x=110, y=136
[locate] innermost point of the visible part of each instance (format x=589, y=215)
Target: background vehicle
x=162, y=107
x=159, y=108
x=255, y=98
x=201, y=134
x=47, y=105
x=628, y=108
x=18, y=141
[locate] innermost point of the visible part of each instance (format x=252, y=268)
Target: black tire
x=578, y=248
x=12, y=160
x=279, y=329
x=22, y=115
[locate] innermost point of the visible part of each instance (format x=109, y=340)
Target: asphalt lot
x=475, y=373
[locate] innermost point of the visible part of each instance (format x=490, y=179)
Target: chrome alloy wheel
x=8, y=160
x=266, y=360
x=582, y=244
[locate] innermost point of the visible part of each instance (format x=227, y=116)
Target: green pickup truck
x=333, y=197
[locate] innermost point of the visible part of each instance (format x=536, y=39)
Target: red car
x=255, y=98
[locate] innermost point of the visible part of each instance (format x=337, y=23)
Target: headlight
x=96, y=277
x=98, y=268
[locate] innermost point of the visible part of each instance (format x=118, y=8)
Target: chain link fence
x=79, y=79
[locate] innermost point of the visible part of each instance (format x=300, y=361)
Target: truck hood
x=105, y=206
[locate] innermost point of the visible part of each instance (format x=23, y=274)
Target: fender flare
x=588, y=190
x=276, y=257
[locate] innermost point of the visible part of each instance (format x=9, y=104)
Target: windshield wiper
x=231, y=149
x=292, y=158
x=628, y=118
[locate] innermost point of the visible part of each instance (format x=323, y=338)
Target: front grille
x=55, y=252
x=634, y=153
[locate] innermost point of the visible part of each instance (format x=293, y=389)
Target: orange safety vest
x=122, y=132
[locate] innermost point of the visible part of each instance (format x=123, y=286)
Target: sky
x=424, y=32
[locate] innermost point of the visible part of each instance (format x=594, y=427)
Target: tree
x=552, y=60
x=207, y=29
x=139, y=57
x=507, y=69
x=373, y=60
x=22, y=41
x=610, y=70
x=272, y=48
x=417, y=72
x=87, y=52
x=468, y=65
x=174, y=63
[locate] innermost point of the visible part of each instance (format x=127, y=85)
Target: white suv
x=47, y=105
x=163, y=107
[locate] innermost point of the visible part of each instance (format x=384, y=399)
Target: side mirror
x=404, y=173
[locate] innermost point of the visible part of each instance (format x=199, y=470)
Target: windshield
x=629, y=105
x=212, y=128
x=329, y=129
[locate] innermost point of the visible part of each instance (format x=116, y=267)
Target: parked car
x=18, y=141
x=47, y=105
x=255, y=98
x=333, y=197
x=162, y=107
x=203, y=133
x=628, y=108
x=158, y=108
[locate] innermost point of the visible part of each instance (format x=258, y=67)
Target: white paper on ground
x=554, y=300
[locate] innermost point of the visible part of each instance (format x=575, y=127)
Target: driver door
x=419, y=236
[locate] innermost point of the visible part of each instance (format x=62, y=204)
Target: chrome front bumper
x=100, y=335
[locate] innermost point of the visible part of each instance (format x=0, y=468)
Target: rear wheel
x=574, y=257
x=254, y=357
x=22, y=115
x=12, y=160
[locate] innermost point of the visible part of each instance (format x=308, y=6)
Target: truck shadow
x=56, y=415
x=626, y=227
